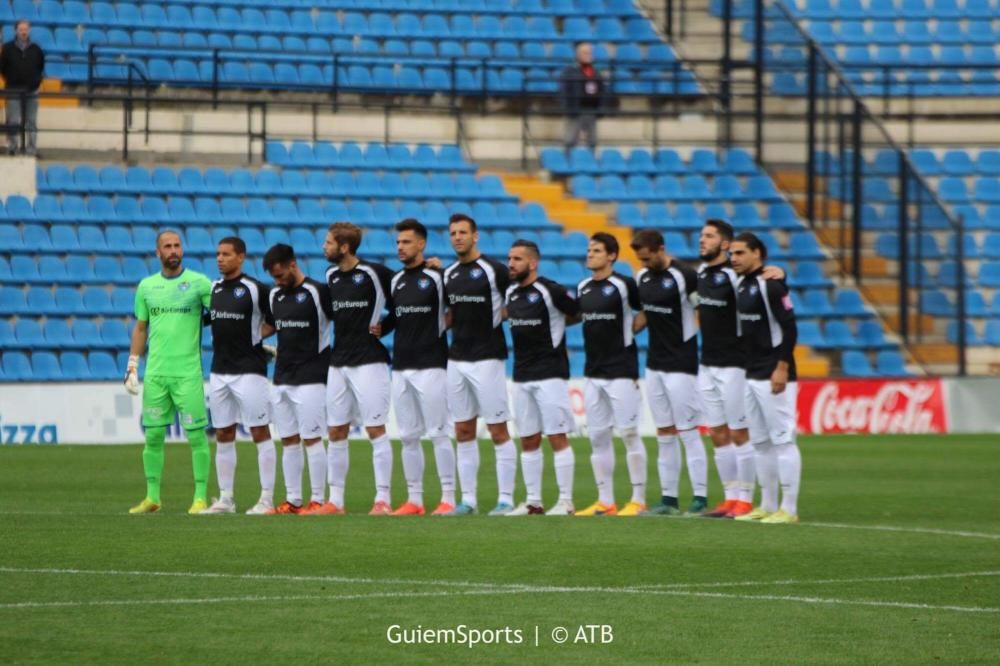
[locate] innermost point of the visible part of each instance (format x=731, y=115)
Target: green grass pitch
x=897, y=560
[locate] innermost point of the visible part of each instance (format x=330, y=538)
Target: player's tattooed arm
x=639, y=322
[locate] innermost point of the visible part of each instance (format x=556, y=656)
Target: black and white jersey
x=537, y=317
x=418, y=309
x=668, y=298
x=769, y=328
x=475, y=293
x=302, y=319
x=239, y=307
x=607, y=307
x=721, y=345
x=357, y=299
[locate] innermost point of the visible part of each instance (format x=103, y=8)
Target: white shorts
x=421, y=402
x=612, y=403
x=478, y=388
x=673, y=399
x=722, y=396
x=244, y=399
x=299, y=410
x=542, y=407
x=358, y=392
x=772, y=417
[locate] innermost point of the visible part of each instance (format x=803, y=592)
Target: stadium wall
x=103, y=413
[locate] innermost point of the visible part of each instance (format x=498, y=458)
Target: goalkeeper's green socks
x=201, y=462
x=152, y=461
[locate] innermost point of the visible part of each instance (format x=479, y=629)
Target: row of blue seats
x=887, y=245
x=58, y=333
x=940, y=304
x=951, y=189
x=385, y=78
x=852, y=57
x=152, y=16
x=140, y=240
x=68, y=366
x=350, y=155
x=990, y=335
x=70, y=41
x=888, y=363
x=689, y=216
x=664, y=161
x=952, y=83
x=288, y=182
x=672, y=188
x=911, y=32
x=839, y=334
x=73, y=8
x=946, y=275
x=929, y=162
x=888, y=9
x=282, y=211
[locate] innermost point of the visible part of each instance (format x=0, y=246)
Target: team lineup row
x=741, y=384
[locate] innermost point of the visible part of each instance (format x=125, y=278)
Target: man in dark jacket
x=582, y=89
x=22, y=63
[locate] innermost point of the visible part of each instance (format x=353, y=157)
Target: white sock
x=697, y=462
x=291, y=466
x=338, y=461
x=266, y=464
x=602, y=459
x=468, y=470
x=531, y=469
x=790, y=474
x=413, y=470
x=565, y=464
x=668, y=463
x=725, y=463
x=382, y=462
x=635, y=458
x=225, y=467
x=444, y=458
x=506, y=471
x=745, y=471
x=317, y=470
x=766, y=463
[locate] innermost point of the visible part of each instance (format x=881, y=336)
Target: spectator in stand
x=22, y=64
x=582, y=89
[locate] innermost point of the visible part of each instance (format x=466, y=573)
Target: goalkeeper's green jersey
x=173, y=307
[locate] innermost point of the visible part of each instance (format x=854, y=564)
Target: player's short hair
x=164, y=232
x=531, y=246
x=609, y=242
x=346, y=232
x=279, y=253
x=649, y=239
x=410, y=224
x=462, y=217
x=753, y=243
x=238, y=245
x=724, y=228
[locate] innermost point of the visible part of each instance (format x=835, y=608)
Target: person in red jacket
x=582, y=89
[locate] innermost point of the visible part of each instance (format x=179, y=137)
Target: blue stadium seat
x=28, y=334
x=97, y=301
x=13, y=300
x=972, y=337
x=25, y=268
x=74, y=366
x=45, y=366
x=103, y=366
x=114, y=333
x=890, y=363
x=16, y=366
x=855, y=364
x=69, y=301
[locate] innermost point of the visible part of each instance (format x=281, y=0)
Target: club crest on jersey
x=476, y=273
x=358, y=278
x=753, y=289
x=301, y=297
x=608, y=289
x=239, y=292
x=533, y=297
x=184, y=286
x=668, y=283
x=719, y=278
x=424, y=283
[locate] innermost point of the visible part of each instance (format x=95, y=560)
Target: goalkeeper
x=168, y=312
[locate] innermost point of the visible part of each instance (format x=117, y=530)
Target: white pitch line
x=912, y=530
x=826, y=581
x=486, y=592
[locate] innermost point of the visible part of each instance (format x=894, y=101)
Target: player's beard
x=335, y=257
x=171, y=263
x=711, y=255
x=520, y=277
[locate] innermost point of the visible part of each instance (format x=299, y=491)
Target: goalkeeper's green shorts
x=163, y=397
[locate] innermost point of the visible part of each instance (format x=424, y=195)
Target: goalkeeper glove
x=132, y=375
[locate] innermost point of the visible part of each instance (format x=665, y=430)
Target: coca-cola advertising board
x=872, y=406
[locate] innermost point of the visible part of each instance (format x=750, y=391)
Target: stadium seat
x=103, y=366
x=890, y=363
x=855, y=364
x=16, y=366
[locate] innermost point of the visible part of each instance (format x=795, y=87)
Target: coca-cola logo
x=895, y=407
